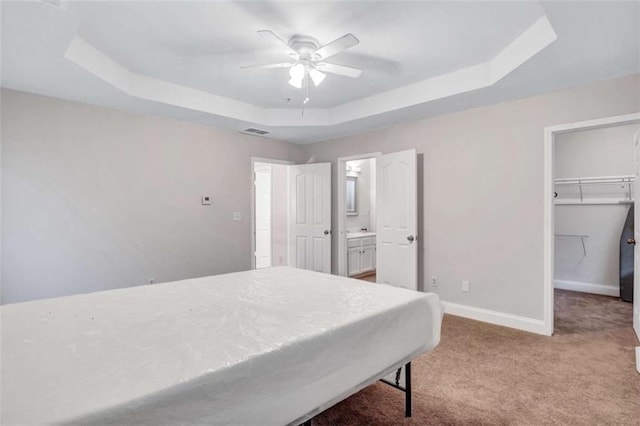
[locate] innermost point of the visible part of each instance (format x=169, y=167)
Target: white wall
x=599, y=152
x=596, y=152
x=95, y=198
x=482, y=190
x=366, y=196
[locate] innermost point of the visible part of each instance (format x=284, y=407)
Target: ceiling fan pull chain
x=305, y=88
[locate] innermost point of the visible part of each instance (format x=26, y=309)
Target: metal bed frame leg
x=407, y=387
x=408, y=409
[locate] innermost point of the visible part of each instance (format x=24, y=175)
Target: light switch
x=206, y=200
x=237, y=216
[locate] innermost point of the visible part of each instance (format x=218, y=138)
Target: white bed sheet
x=256, y=347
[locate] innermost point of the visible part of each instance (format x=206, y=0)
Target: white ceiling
x=419, y=58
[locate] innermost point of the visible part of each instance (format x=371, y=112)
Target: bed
x=272, y=346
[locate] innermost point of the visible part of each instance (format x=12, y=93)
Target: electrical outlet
x=466, y=286
x=237, y=216
x=434, y=281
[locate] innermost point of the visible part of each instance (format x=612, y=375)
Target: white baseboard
x=494, y=317
x=606, y=290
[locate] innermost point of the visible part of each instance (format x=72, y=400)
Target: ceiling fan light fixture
x=297, y=83
x=297, y=71
x=306, y=53
x=316, y=76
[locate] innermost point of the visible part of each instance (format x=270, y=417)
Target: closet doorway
x=591, y=184
x=290, y=215
x=270, y=217
x=594, y=213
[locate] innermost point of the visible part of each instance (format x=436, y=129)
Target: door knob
x=410, y=238
x=326, y=232
x=631, y=241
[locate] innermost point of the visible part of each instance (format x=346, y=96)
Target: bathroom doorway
x=357, y=222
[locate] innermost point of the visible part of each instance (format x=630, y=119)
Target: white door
x=636, y=236
x=263, y=215
x=310, y=239
x=397, y=221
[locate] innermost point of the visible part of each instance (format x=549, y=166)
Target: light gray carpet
x=485, y=374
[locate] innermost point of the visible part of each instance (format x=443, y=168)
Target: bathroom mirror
x=352, y=196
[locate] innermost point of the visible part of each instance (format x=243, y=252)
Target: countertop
x=351, y=235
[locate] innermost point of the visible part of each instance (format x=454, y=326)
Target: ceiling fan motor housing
x=306, y=54
x=304, y=45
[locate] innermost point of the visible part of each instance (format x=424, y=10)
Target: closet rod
x=582, y=237
x=595, y=180
x=594, y=202
x=600, y=180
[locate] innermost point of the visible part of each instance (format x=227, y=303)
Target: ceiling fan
x=308, y=59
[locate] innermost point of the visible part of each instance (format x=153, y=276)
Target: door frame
x=342, y=209
x=252, y=191
x=548, y=205
x=636, y=266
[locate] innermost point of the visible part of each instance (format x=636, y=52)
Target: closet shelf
x=592, y=202
x=594, y=190
x=582, y=238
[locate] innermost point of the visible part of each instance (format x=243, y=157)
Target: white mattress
x=259, y=347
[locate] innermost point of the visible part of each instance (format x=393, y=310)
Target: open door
x=397, y=221
x=310, y=237
x=636, y=237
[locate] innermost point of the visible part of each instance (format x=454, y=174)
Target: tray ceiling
x=183, y=59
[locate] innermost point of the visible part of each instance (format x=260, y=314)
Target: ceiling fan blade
x=269, y=66
x=339, y=69
x=269, y=35
x=336, y=46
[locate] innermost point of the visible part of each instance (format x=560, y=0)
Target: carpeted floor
x=486, y=374
x=371, y=278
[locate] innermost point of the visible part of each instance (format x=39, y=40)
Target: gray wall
x=95, y=198
x=598, y=152
x=483, y=189
x=595, y=152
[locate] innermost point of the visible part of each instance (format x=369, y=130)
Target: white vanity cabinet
x=361, y=252
x=353, y=260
